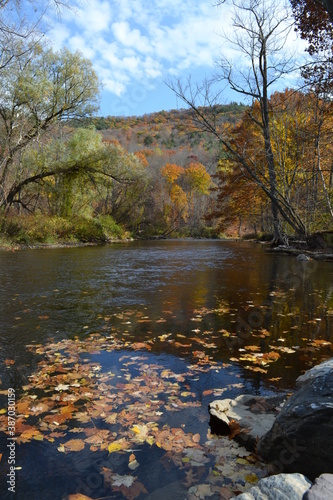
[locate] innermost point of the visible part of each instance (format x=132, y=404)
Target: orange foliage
x=172, y=172
x=142, y=157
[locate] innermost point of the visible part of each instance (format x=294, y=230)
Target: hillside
x=180, y=160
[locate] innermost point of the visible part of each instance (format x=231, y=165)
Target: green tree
x=36, y=92
x=78, y=175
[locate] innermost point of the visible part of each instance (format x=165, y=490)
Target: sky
x=136, y=46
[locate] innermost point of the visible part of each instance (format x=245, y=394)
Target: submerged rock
x=303, y=257
x=279, y=487
x=301, y=439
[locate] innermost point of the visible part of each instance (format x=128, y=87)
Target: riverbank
x=22, y=233
x=319, y=254
x=27, y=232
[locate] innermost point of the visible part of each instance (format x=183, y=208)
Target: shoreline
x=319, y=254
x=312, y=254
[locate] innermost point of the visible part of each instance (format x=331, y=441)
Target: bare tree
x=259, y=35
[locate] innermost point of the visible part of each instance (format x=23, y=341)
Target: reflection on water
x=260, y=319
x=65, y=292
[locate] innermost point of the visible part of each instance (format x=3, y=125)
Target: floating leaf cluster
x=74, y=403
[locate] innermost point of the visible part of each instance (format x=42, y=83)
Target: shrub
x=88, y=230
x=111, y=229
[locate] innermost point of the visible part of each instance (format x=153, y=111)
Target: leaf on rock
x=235, y=429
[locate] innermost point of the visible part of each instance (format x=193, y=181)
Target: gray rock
x=320, y=370
x=302, y=257
x=322, y=489
x=279, y=487
x=301, y=439
x=254, y=414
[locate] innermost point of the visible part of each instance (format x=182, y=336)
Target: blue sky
x=137, y=45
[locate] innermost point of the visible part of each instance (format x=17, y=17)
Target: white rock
x=279, y=487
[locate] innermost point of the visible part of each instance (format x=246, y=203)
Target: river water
x=214, y=318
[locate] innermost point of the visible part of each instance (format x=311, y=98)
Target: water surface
x=210, y=312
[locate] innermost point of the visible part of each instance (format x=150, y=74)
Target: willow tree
x=260, y=30
x=37, y=91
x=79, y=174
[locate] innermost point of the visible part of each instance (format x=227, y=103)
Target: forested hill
x=225, y=112
x=180, y=159
x=165, y=129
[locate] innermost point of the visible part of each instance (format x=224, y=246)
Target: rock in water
x=303, y=257
x=255, y=415
x=279, y=487
x=301, y=439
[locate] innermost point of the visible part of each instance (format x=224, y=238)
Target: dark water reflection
x=65, y=292
x=187, y=289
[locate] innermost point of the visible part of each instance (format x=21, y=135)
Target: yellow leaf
x=3, y=411
x=242, y=461
x=114, y=447
x=252, y=478
x=78, y=496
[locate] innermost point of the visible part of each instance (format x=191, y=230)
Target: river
x=166, y=326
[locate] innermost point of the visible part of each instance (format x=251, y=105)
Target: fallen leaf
x=225, y=493
x=252, y=478
x=9, y=362
x=74, y=445
x=119, y=445
x=118, y=480
x=79, y=496
x=62, y=387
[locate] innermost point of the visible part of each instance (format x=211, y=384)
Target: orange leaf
x=196, y=438
x=74, y=445
x=78, y=496
x=9, y=362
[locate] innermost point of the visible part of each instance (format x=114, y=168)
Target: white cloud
x=59, y=35
x=140, y=42
x=78, y=42
x=130, y=37
x=93, y=16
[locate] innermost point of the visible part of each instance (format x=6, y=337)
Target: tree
x=19, y=32
x=79, y=174
x=39, y=90
x=260, y=31
x=314, y=22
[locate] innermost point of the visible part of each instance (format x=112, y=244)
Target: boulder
x=322, y=489
x=301, y=439
x=279, y=487
x=247, y=418
x=303, y=257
